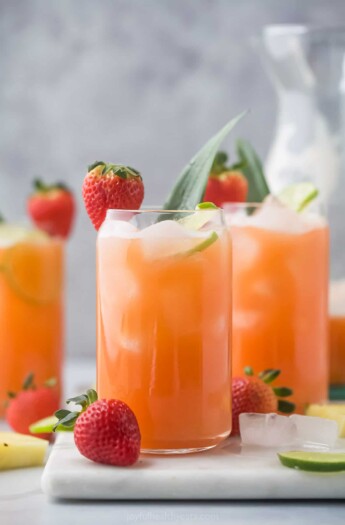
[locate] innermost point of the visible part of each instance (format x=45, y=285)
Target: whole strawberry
x=31, y=404
x=254, y=394
x=111, y=186
x=105, y=431
x=225, y=183
x=52, y=208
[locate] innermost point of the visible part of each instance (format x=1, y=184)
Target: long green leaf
x=190, y=186
x=252, y=168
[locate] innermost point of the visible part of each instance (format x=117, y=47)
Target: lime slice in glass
x=46, y=425
x=313, y=461
x=204, y=213
x=298, y=196
x=202, y=245
x=11, y=234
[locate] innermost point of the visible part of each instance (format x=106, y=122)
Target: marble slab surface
x=229, y=472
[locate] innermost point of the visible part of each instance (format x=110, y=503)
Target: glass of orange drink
x=163, y=330
x=280, y=296
x=31, y=322
x=337, y=332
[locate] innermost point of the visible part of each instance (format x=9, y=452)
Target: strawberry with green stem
x=226, y=183
x=30, y=404
x=105, y=431
x=111, y=186
x=52, y=208
x=255, y=394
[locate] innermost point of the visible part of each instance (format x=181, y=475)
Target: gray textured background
x=144, y=82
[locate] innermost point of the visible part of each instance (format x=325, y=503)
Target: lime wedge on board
x=313, y=461
x=298, y=196
x=46, y=425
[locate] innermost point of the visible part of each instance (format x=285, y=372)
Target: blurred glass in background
x=307, y=67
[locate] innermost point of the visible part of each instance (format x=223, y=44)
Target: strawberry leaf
x=269, y=375
x=248, y=371
x=95, y=164
x=28, y=382
x=282, y=391
x=82, y=400
x=60, y=414
x=11, y=395
x=286, y=406
x=92, y=395
x=67, y=421
x=190, y=187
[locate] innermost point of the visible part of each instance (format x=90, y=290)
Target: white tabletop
x=22, y=501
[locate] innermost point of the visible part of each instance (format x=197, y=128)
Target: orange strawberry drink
x=31, y=324
x=337, y=332
x=280, y=310
x=163, y=343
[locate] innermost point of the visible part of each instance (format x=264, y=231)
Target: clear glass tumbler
x=31, y=308
x=280, y=296
x=163, y=336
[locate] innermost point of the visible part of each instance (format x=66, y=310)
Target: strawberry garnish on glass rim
x=111, y=186
x=255, y=394
x=52, y=208
x=105, y=430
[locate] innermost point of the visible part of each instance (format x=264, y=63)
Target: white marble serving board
x=226, y=472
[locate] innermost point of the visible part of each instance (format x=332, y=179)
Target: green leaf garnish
x=269, y=375
x=82, y=400
x=248, y=371
x=92, y=395
x=190, y=186
x=28, y=381
x=67, y=418
x=282, y=391
x=286, y=406
x=252, y=169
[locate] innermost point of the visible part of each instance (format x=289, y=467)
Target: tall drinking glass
x=31, y=314
x=163, y=336
x=280, y=301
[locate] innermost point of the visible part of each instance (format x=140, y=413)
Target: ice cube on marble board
x=267, y=430
x=274, y=430
x=315, y=431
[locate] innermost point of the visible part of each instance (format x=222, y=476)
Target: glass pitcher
x=307, y=67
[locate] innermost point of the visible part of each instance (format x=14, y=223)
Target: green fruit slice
x=204, y=213
x=202, y=245
x=313, y=461
x=298, y=196
x=46, y=425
